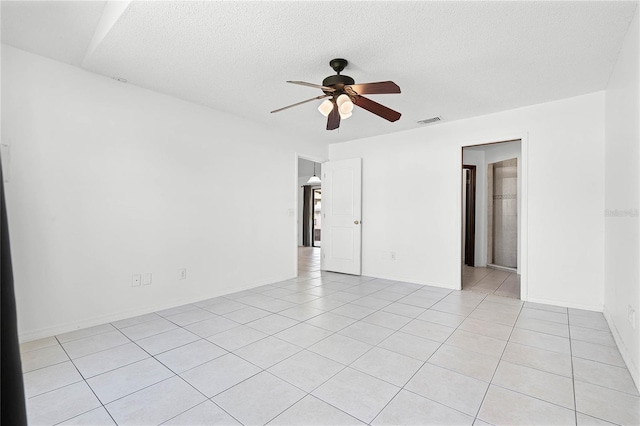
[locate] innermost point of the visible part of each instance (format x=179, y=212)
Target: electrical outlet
x=393, y=255
x=183, y=273
x=146, y=279
x=135, y=280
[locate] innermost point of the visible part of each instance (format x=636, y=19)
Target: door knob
x=356, y=222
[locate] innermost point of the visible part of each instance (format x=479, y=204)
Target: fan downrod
x=338, y=81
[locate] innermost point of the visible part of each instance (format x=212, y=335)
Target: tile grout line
x=573, y=375
x=368, y=350
x=538, y=398
x=197, y=405
x=175, y=375
x=427, y=361
x=87, y=384
x=570, y=341
x=538, y=369
x=573, y=379
x=498, y=365
x=138, y=390
x=373, y=346
x=302, y=349
x=265, y=370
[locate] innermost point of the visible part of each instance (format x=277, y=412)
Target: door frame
x=523, y=266
x=470, y=216
x=313, y=211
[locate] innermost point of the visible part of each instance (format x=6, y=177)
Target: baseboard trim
x=502, y=268
x=624, y=350
x=410, y=281
x=564, y=304
x=103, y=319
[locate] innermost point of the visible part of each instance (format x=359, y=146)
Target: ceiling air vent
x=430, y=120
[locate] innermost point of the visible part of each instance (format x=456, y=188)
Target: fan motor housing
x=338, y=81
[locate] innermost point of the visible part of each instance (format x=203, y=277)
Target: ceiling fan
x=344, y=94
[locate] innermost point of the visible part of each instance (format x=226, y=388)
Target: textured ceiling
x=453, y=59
x=59, y=30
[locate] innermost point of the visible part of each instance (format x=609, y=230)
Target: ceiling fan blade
x=317, y=86
x=333, y=121
x=377, y=109
x=375, y=88
x=300, y=103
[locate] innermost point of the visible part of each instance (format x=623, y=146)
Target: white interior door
x=341, y=216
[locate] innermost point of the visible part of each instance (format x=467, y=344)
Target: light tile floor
x=331, y=349
x=491, y=281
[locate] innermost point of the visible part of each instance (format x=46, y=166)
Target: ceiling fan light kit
x=344, y=94
x=325, y=107
x=344, y=103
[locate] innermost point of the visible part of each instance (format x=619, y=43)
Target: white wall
x=481, y=157
x=622, y=196
x=110, y=180
x=305, y=168
x=411, y=198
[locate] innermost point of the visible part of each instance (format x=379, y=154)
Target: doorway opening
x=308, y=223
x=469, y=213
x=317, y=217
x=491, y=218
x=336, y=205
x=502, y=213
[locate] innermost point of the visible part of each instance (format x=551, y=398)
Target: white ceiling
x=454, y=59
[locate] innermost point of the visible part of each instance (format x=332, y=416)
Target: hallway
x=309, y=262
x=491, y=281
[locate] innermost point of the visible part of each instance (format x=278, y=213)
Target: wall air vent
x=430, y=120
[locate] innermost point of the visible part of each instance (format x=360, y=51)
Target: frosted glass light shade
x=345, y=106
x=325, y=107
x=345, y=116
x=314, y=180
